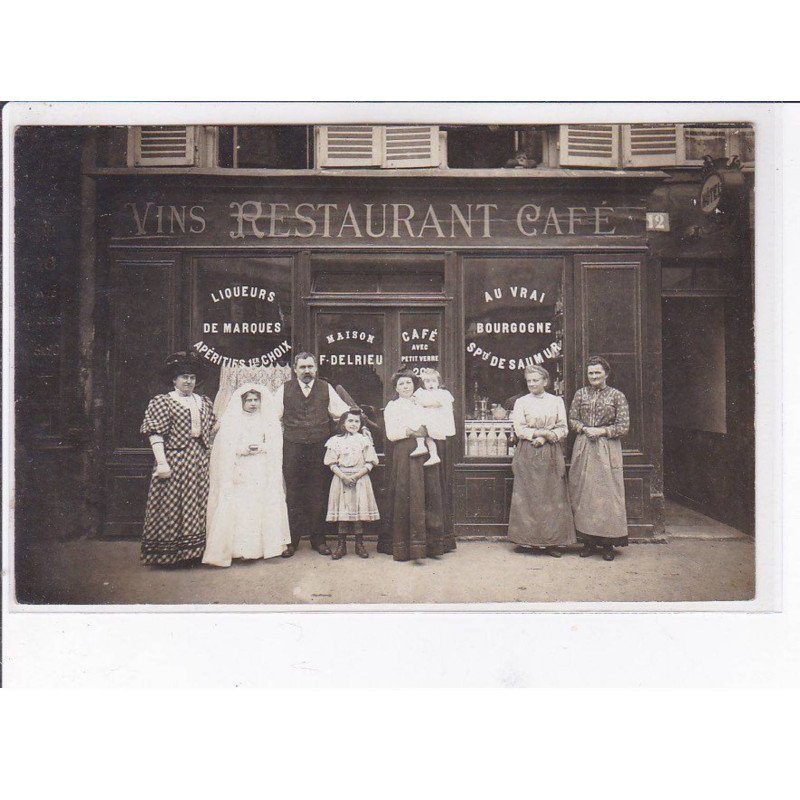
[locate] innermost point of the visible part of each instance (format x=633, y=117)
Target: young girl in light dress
x=351, y=456
x=436, y=411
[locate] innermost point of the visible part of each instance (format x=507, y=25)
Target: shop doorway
x=359, y=347
x=707, y=395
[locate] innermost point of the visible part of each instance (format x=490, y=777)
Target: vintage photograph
x=274, y=364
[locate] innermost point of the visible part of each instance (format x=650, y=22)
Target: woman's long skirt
x=541, y=515
x=175, y=518
x=597, y=491
x=417, y=523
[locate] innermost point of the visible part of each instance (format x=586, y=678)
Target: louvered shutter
x=411, y=146
x=349, y=146
x=652, y=145
x=163, y=145
x=589, y=145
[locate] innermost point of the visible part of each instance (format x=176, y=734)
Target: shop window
x=514, y=317
x=241, y=309
x=377, y=274
x=385, y=146
x=264, y=146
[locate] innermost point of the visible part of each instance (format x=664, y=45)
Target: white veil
x=263, y=426
x=233, y=377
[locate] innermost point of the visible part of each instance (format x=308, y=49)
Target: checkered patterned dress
x=175, y=518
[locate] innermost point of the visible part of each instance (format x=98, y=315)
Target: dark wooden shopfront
x=471, y=277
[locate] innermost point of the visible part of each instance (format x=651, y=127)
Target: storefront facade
x=474, y=272
x=473, y=277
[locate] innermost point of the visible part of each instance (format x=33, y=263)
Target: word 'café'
x=475, y=250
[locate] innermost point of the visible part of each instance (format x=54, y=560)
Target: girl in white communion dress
x=247, y=516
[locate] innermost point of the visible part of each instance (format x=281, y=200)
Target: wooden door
x=359, y=347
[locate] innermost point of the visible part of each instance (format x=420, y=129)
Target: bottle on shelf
x=558, y=380
x=475, y=401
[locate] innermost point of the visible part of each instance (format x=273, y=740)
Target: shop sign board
x=331, y=218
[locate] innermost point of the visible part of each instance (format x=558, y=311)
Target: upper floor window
x=652, y=144
x=719, y=141
x=323, y=147
x=384, y=146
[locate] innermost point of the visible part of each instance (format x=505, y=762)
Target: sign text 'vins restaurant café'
x=334, y=220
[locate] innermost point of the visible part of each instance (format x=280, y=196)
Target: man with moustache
x=309, y=403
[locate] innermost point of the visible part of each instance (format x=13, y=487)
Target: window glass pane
x=243, y=311
x=704, y=141
x=271, y=146
x=418, y=282
x=745, y=144
x=350, y=349
x=420, y=335
x=480, y=146
x=341, y=282
x=371, y=274
x=513, y=317
x=225, y=146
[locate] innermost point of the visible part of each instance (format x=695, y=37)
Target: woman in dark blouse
x=599, y=415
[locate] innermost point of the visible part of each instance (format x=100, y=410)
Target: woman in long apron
x=540, y=516
x=599, y=415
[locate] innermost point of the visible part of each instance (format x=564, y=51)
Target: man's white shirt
x=336, y=406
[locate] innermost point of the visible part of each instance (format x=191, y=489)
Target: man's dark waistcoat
x=306, y=419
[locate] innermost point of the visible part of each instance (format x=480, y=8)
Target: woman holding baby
x=417, y=521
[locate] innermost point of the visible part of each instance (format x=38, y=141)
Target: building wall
x=48, y=422
x=708, y=336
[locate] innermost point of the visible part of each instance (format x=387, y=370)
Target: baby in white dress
x=436, y=407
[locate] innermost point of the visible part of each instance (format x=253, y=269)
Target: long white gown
x=247, y=516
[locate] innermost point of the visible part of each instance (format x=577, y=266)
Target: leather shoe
x=552, y=551
x=587, y=551
x=289, y=551
x=608, y=555
x=322, y=549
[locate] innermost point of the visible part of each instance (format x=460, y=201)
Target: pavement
x=108, y=572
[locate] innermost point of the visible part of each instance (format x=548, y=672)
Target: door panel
x=351, y=349
x=420, y=340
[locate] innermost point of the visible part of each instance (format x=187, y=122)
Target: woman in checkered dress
x=179, y=426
